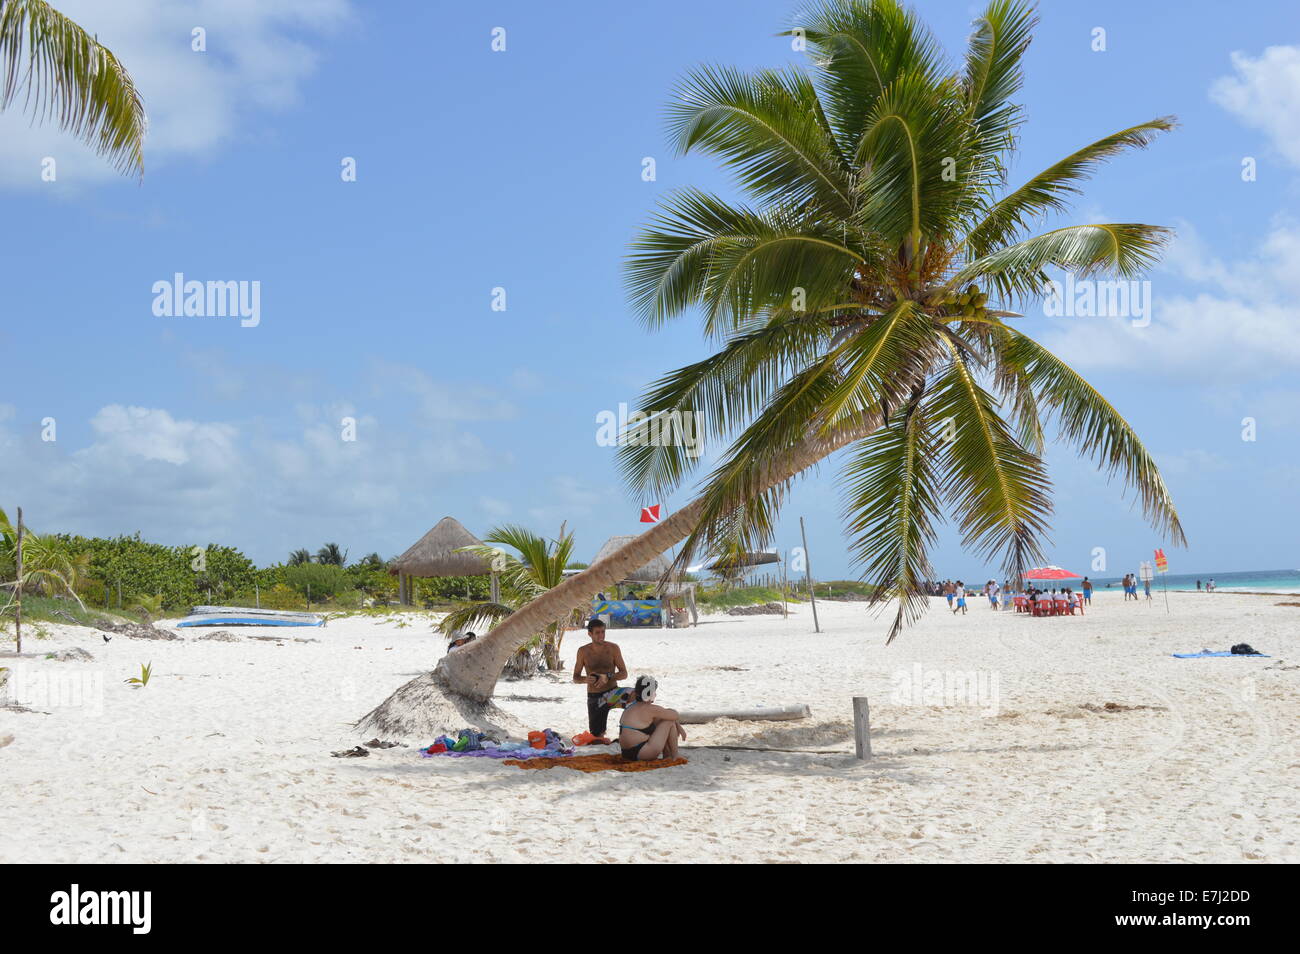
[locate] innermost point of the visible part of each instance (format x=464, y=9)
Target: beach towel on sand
x=1219, y=655
x=596, y=763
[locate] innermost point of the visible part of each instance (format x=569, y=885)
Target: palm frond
x=892, y=493
x=993, y=72
x=997, y=489
x=859, y=50
x=1019, y=271
x=1091, y=423
x=63, y=73
x=1049, y=190
x=734, y=261
x=767, y=128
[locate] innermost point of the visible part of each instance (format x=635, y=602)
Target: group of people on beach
x=1130, y=584
x=646, y=731
x=1004, y=595
x=1209, y=587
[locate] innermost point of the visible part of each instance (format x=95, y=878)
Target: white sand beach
x=225, y=755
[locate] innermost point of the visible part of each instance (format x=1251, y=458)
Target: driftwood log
x=761, y=714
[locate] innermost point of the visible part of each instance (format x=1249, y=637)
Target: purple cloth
x=503, y=754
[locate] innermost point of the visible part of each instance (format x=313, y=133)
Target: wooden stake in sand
x=18, y=589
x=861, y=727
x=807, y=563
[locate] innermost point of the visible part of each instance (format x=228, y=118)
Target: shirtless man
x=600, y=665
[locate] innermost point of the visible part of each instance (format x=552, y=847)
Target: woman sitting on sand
x=648, y=731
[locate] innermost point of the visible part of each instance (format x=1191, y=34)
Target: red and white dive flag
x=650, y=514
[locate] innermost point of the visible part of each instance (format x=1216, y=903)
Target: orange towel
x=595, y=763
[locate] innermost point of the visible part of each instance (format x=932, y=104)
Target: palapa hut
x=734, y=566
x=669, y=590
x=434, y=554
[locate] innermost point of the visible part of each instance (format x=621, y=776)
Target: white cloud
x=257, y=58
x=436, y=400
x=155, y=435
x=1264, y=93
x=180, y=481
x=1245, y=320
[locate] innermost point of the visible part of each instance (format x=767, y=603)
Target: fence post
x=861, y=727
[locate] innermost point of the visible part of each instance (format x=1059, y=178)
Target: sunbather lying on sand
x=648, y=731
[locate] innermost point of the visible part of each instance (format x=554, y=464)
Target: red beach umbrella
x=1050, y=573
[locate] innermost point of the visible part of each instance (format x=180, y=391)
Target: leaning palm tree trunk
x=458, y=691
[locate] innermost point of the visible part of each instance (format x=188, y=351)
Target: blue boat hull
x=245, y=621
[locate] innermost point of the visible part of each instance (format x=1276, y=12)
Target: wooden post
x=807, y=565
x=257, y=593
x=785, y=604
x=861, y=727
x=18, y=589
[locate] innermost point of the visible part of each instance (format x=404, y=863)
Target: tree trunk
x=463, y=681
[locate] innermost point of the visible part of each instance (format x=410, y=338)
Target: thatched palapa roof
x=744, y=560
x=434, y=554
x=652, y=572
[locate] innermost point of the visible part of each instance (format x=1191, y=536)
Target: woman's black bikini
x=631, y=753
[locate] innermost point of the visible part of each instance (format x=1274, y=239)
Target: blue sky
x=522, y=170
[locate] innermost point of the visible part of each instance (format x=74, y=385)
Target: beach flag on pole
x=1162, y=564
x=650, y=514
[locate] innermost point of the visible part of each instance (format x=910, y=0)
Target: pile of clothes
x=542, y=743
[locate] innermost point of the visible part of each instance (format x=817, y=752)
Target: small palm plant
x=149, y=607
x=536, y=566
x=142, y=680
x=47, y=561
x=299, y=557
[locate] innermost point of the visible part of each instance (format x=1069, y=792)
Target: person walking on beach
x=949, y=591
x=600, y=665
x=960, y=593
x=992, y=591
x=1198, y=586
x=1087, y=591
x=1209, y=587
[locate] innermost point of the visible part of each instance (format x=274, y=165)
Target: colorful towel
x=595, y=763
x=504, y=753
x=1218, y=655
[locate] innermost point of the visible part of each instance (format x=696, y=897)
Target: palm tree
x=860, y=302
x=331, y=555
x=47, y=562
x=537, y=566
x=299, y=557
x=62, y=71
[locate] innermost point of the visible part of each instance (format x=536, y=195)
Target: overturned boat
x=248, y=616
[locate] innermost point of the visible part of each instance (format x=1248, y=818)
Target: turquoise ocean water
x=1273, y=581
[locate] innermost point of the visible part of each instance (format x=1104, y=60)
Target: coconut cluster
x=968, y=304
